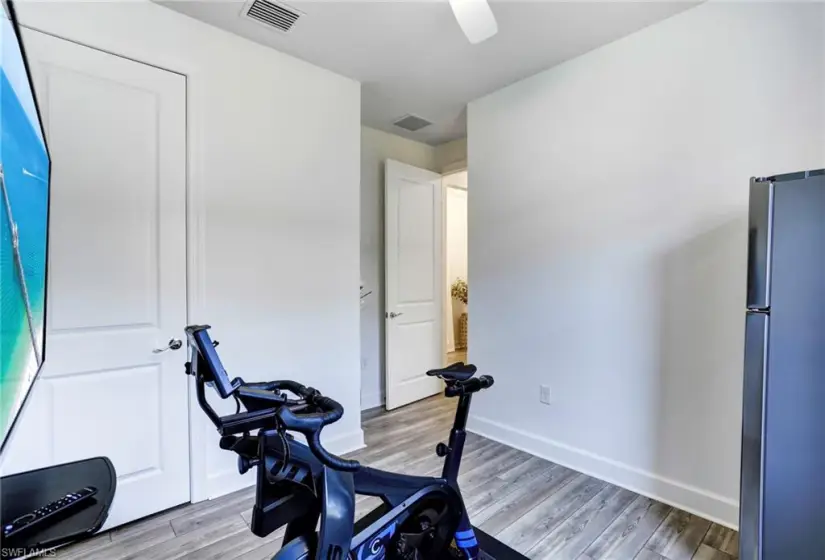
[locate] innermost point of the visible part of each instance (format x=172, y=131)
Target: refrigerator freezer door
x=760, y=222
x=750, y=503
x=794, y=437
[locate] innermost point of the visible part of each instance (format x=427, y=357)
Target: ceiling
x=412, y=58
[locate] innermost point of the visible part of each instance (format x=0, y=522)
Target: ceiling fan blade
x=475, y=18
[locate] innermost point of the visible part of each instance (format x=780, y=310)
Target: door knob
x=174, y=344
x=393, y=314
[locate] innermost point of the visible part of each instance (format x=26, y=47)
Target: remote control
x=49, y=511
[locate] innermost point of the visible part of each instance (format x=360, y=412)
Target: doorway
x=414, y=204
x=426, y=263
x=456, y=285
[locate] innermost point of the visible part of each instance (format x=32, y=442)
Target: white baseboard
x=226, y=482
x=720, y=509
x=371, y=400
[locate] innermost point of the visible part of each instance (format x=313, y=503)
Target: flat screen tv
x=24, y=218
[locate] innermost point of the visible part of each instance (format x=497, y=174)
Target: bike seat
x=458, y=371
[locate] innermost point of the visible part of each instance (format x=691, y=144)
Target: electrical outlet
x=544, y=395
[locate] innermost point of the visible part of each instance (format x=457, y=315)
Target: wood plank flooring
x=457, y=356
x=541, y=509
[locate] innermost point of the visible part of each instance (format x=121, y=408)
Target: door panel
x=117, y=275
x=120, y=285
x=129, y=393
x=415, y=242
x=415, y=281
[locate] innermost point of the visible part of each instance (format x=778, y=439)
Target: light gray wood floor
x=456, y=356
x=539, y=508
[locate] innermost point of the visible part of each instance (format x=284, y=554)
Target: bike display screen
x=210, y=365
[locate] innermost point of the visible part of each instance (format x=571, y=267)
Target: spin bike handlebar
x=310, y=424
x=268, y=404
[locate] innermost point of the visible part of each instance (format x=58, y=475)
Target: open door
x=414, y=282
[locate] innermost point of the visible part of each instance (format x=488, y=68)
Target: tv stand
x=24, y=492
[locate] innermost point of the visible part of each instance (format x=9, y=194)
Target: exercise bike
x=298, y=485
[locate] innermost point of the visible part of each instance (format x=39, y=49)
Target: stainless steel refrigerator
x=782, y=506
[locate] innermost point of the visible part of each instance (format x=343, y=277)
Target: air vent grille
x=279, y=16
x=412, y=123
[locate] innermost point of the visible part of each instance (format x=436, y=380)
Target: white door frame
x=448, y=298
x=195, y=241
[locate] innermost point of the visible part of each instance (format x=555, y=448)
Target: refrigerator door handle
x=760, y=237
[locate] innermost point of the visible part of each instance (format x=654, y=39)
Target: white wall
x=608, y=242
x=451, y=156
x=455, y=243
x=273, y=152
x=377, y=146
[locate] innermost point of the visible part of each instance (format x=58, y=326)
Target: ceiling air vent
x=412, y=123
x=271, y=14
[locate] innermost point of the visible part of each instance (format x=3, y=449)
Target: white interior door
x=117, y=275
x=414, y=280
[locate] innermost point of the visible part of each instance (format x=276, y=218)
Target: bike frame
x=399, y=493
x=287, y=499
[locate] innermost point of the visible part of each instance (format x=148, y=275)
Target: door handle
x=174, y=344
x=393, y=314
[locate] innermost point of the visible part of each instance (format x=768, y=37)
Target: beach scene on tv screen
x=24, y=181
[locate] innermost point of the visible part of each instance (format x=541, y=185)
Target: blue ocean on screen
x=24, y=214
